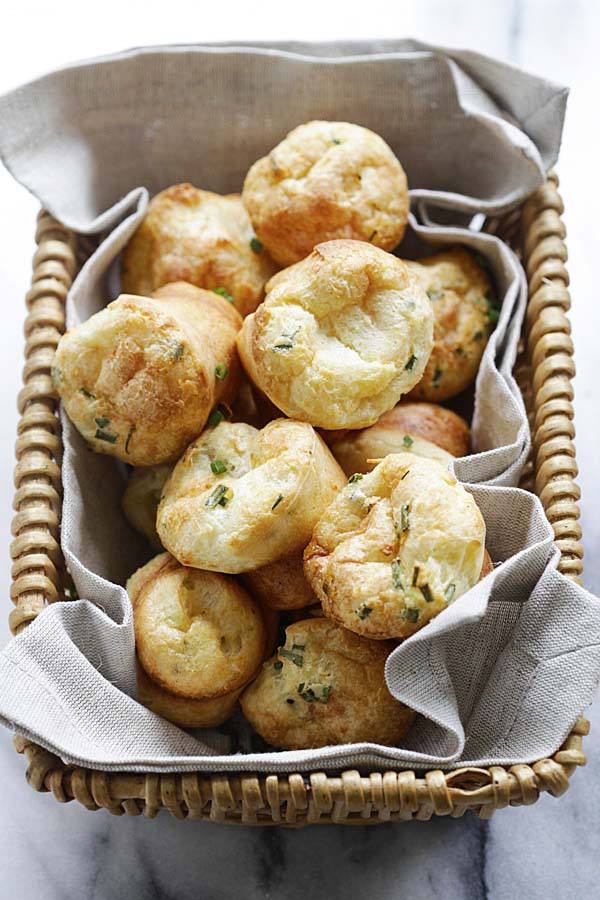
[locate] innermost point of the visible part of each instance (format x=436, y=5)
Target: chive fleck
x=450, y=592
x=335, y=141
x=87, y=394
x=218, y=414
x=256, y=245
x=478, y=336
x=221, y=372
x=219, y=497
x=426, y=591
x=411, y=363
x=493, y=315
x=129, y=435
x=372, y=235
x=218, y=467
x=177, y=351
x=296, y=658
x=410, y=614
x=416, y=571
x=102, y=421
x=363, y=610
x=223, y=292
x=314, y=693
x=277, y=665
x=397, y=575
x=405, y=516
x=437, y=377
x=277, y=502
x=105, y=436
x=407, y=441
x=354, y=478
x=286, y=346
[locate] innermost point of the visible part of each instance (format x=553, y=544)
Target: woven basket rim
x=544, y=373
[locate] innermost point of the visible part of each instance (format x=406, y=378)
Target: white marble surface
x=50, y=851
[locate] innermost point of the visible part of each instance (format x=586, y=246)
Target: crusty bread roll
x=425, y=429
x=240, y=498
x=395, y=547
x=281, y=584
x=181, y=710
x=463, y=307
x=139, y=378
x=326, y=180
x=200, y=237
x=141, y=498
x=340, y=336
x=198, y=635
x=325, y=686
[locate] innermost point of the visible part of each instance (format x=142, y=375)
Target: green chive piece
x=315, y=692
x=478, y=336
x=354, y=478
x=493, y=314
x=219, y=497
x=410, y=614
x=296, y=658
x=105, y=436
x=437, y=377
x=426, y=591
x=405, y=516
x=278, y=665
x=372, y=235
x=256, y=245
x=397, y=575
x=407, y=441
x=287, y=346
x=177, y=351
x=223, y=292
x=217, y=415
x=129, y=435
x=277, y=502
x=450, y=592
x=411, y=363
x=218, y=467
x=87, y=394
x=296, y=646
x=335, y=141
x=435, y=295
x=416, y=571
x=221, y=372
x=102, y=422
x=363, y=610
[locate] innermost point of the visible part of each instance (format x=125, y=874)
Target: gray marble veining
x=56, y=852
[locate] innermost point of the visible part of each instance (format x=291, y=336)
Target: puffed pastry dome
x=425, y=429
x=139, y=378
x=183, y=711
x=281, y=584
x=395, y=547
x=141, y=498
x=204, y=238
x=340, y=336
x=325, y=686
x=198, y=635
x=462, y=299
x=240, y=498
x=326, y=180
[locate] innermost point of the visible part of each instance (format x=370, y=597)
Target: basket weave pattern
x=544, y=372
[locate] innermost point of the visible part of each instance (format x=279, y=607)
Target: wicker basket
x=544, y=372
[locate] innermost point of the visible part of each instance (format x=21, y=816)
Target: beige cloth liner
x=502, y=674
